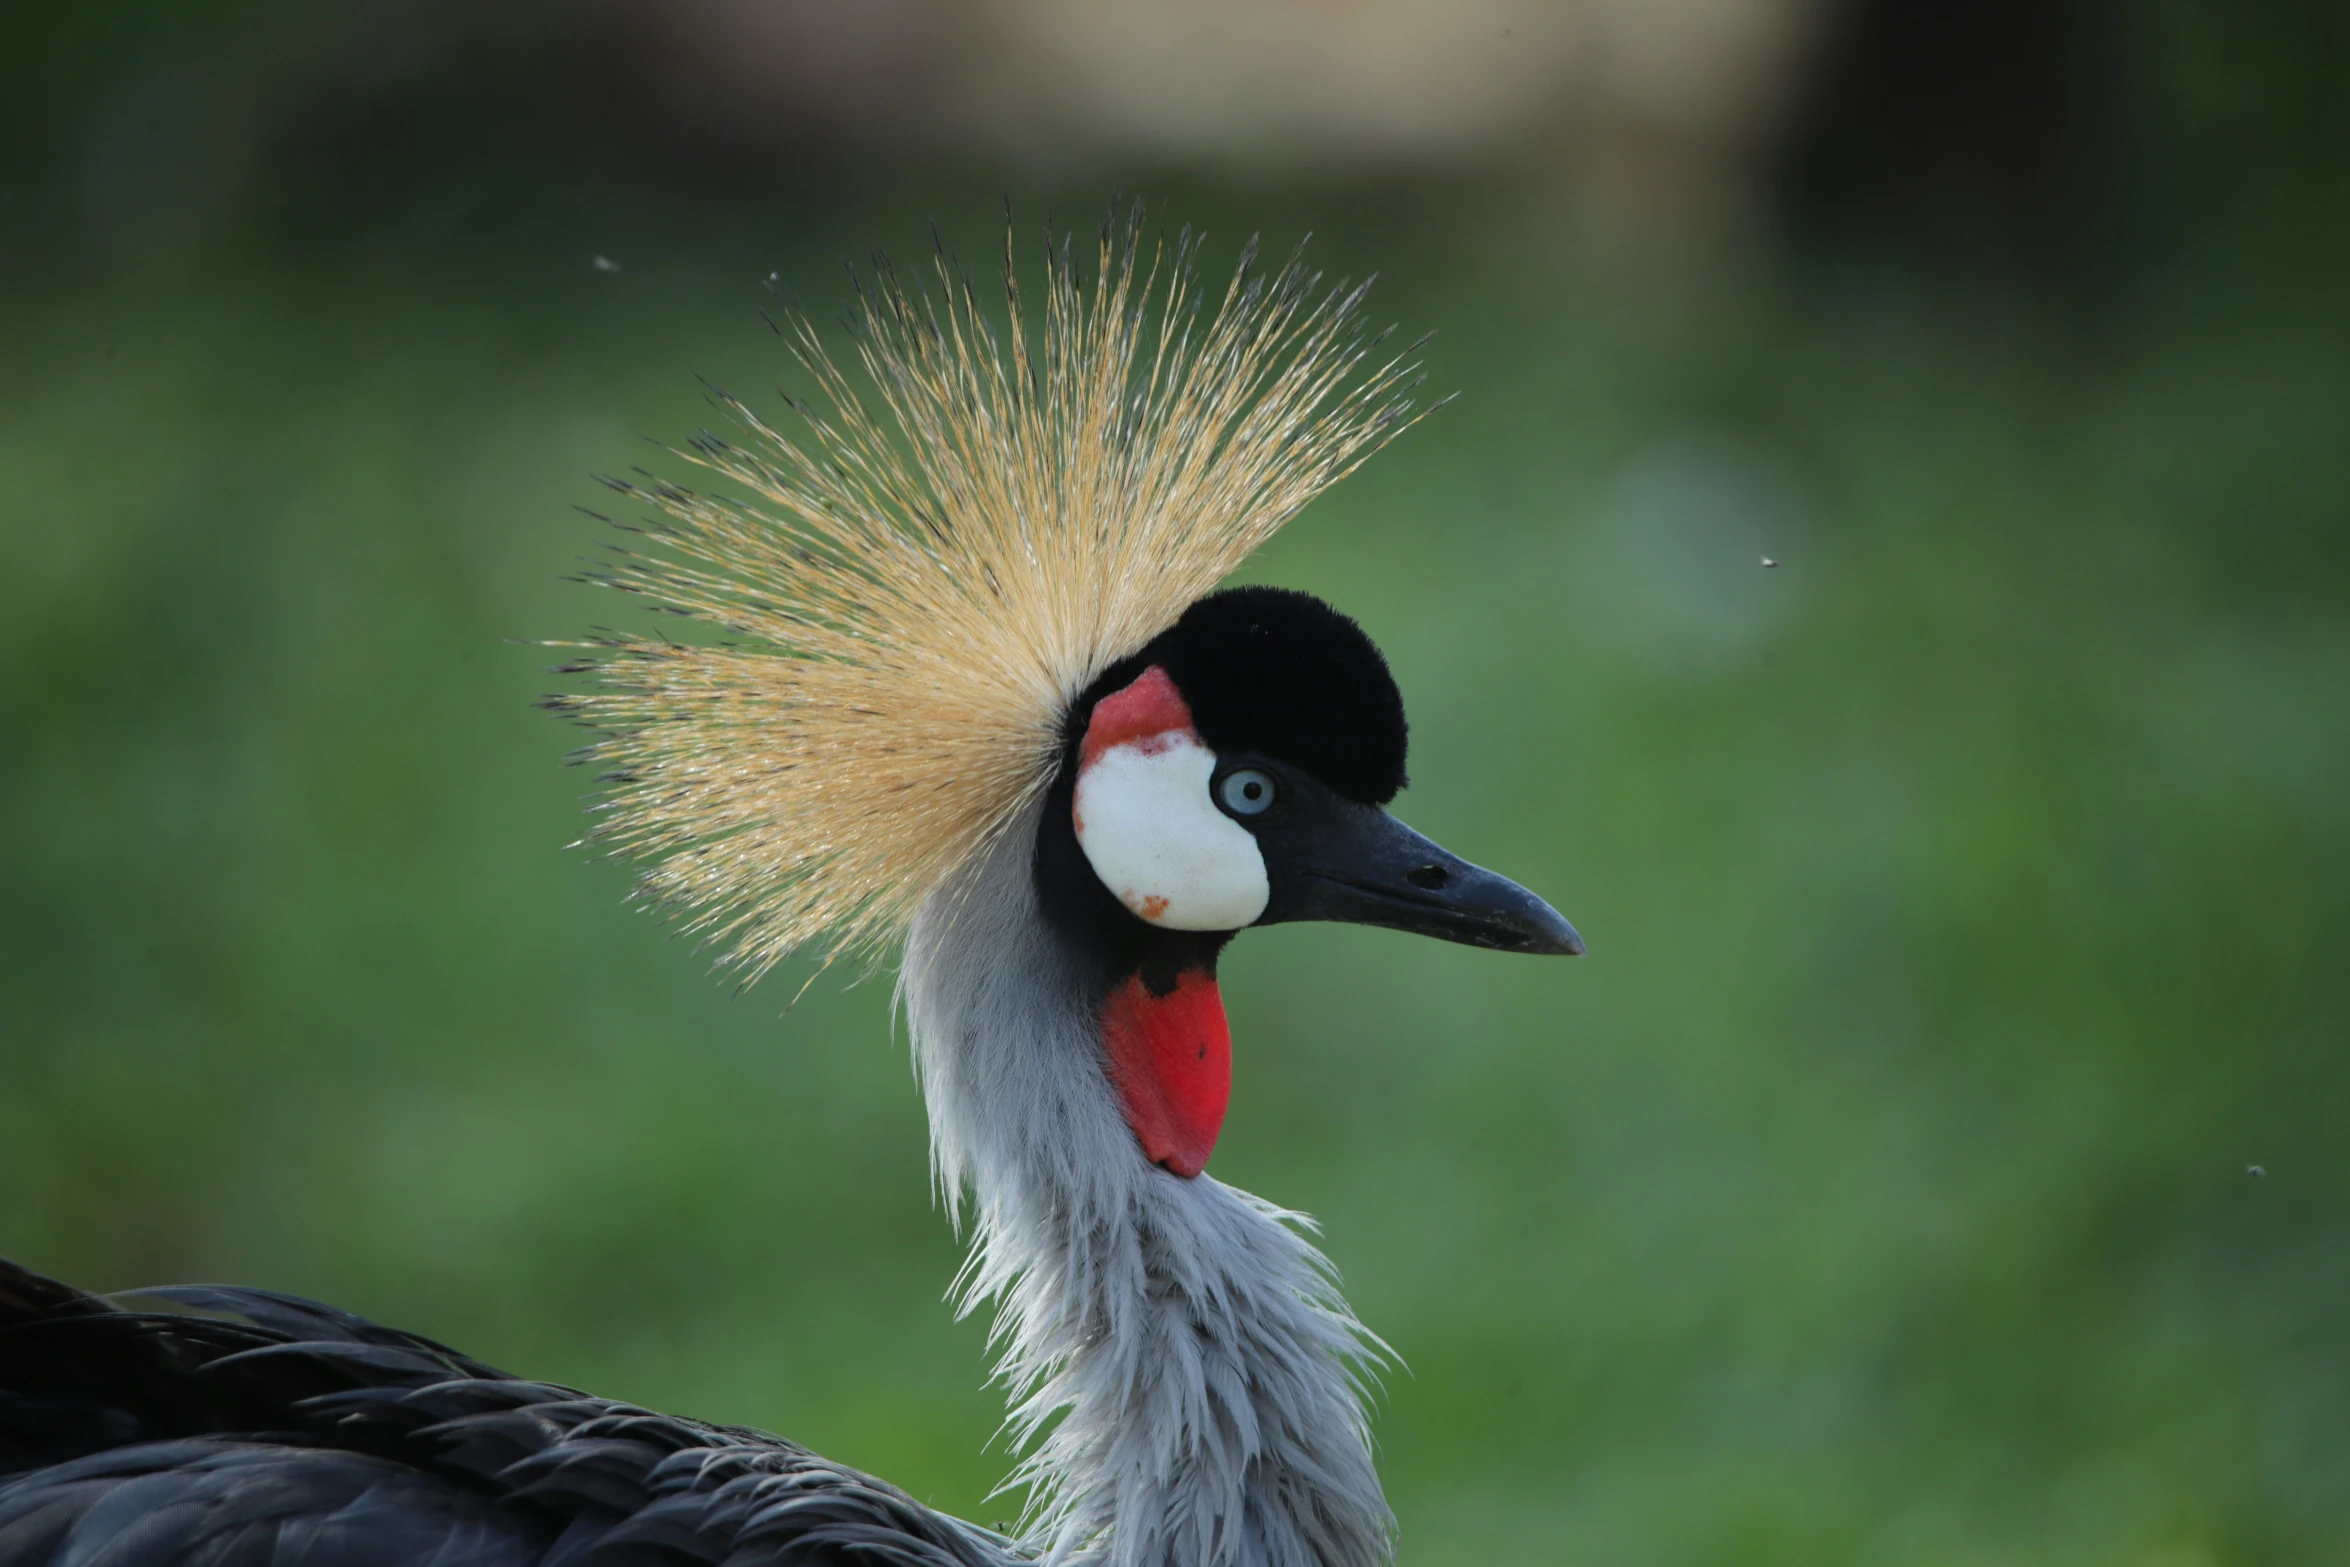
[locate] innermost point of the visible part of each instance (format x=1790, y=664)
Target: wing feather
x=215, y=1427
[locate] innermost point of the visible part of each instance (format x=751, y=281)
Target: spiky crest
x=962, y=534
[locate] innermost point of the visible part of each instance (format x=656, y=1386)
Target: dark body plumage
x=220, y=1427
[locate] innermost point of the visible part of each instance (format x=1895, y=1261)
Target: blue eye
x=1246, y=791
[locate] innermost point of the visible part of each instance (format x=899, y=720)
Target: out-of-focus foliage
x=1939, y=1159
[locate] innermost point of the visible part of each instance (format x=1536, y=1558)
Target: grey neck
x=1192, y=1343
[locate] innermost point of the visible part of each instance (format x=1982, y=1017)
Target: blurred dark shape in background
x=2032, y=135
x=1966, y=890
x=1655, y=104
x=1984, y=131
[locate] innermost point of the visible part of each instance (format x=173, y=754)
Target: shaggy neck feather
x=1190, y=1340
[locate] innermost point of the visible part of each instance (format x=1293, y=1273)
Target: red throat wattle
x=1171, y=1059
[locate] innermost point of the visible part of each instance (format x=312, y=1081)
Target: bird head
x=973, y=594
x=1232, y=773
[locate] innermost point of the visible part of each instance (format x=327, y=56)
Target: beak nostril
x=1429, y=878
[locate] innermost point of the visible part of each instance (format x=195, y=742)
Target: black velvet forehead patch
x=1281, y=672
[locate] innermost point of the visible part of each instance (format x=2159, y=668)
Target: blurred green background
x=1940, y=1159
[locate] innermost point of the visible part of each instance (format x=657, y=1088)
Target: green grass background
x=1967, y=895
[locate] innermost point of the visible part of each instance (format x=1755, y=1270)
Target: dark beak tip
x=1561, y=940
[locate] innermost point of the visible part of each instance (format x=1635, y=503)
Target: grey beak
x=1336, y=859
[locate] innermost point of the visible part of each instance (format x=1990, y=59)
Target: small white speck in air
x=605, y=264
x=1768, y=562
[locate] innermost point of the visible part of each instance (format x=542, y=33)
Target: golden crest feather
x=912, y=586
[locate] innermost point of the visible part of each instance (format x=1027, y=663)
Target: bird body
x=972, y=700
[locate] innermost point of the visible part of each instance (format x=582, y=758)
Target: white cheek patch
x=1156, y=839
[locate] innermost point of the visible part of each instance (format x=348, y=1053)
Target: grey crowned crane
x=972, y=698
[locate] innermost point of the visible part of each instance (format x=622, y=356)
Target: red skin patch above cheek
x=1171, y=1062
x=1147, y=708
